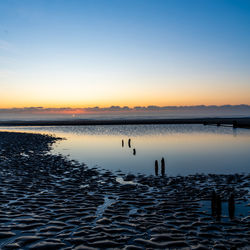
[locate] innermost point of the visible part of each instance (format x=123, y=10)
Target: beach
x=51, y=202
x=124, y=125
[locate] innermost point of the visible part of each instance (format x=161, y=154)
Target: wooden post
x=162, y=166
x=213, y=204
x=235, y=124
x=218, y=207
x=156, y=168
x=231, y=206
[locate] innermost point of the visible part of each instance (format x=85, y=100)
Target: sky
x=79, y=54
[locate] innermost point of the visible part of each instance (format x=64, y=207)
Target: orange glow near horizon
x=66, y=89
x=81, y=54
x=131, y=103
x=107, y=105
x=131, y=96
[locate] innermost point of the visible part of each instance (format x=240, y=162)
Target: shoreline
x=49, y=201
x=236, y=122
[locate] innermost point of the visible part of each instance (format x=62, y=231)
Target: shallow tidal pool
x=187, y=149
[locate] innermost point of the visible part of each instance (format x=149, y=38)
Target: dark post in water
x=134, y=151
x=156, y=168
x=218, y=207
x=213, y=203
x=235, y=124
x=129, y=143
x=162, y=166
x=122, y=143
x=231, y=206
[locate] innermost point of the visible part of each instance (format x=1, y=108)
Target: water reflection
x=189, y=149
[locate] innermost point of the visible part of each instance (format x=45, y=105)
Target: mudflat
x=49, y=201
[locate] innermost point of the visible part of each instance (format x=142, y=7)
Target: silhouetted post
x=218, y=207
x=134, y=151
x=129, y=143
x=213, y=203
x=231, y=206
x=235, y=124
x=218, y=124
x=156, y=168
x=162, y=166
x=122, y=143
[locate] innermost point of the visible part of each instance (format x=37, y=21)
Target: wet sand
x=50, y=202
x=236, y=122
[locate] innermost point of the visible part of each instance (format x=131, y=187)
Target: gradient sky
x=124, y=52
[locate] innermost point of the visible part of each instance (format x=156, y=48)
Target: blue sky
x=87, y=53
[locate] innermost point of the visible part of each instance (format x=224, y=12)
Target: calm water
x=187, y=149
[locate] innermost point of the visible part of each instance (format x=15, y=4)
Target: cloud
x=151, y=108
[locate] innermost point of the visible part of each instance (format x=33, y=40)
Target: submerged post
x=231, y=206
x=122, y=143
x=134, y=151
x=213, y=204
x=162, y=166
x=156, y=168
x=218, y=207
x=129, y=143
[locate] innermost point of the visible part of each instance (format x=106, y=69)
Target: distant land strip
x=236, y=122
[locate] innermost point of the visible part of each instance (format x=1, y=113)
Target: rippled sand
x=50, y=202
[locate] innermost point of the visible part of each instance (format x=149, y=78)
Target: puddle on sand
x=121, y=181
x=242, y=209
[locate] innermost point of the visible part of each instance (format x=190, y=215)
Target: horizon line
x=82, y=110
